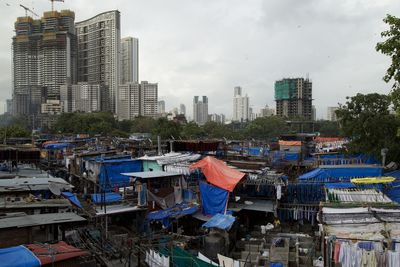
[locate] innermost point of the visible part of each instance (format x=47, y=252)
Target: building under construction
x=293, y=98
x=44, y=57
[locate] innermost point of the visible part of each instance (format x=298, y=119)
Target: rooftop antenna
x=52, y=3
x=28, y=9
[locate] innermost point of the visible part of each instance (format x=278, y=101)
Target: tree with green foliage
x=391, y=47
x=13, y=131
x=166, y=129
x=90, y=123
x=367, y=121
x=266, y=128
x=143, y=125
x=327, y=128
x=192, y=130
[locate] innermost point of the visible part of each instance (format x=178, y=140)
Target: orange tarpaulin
x=218, y=173
x=289, y=143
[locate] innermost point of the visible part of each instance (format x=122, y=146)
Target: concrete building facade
x=129, y=60
x=138, y=99
x=293, y=98
x=44, y=57
x=331, y=113
x=99, y=46
x=200, y=110
x=161, y=107
x=241, y=109
x=84, y=97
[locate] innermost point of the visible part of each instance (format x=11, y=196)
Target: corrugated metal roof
x=150, y=175
x=31, y=184
x=40, y=219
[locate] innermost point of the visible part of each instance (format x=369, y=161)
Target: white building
x=331, y=114
x=129, y=101
x=240, y=105
x=200, y=110
x=129, y=60
x=83, y=97
x=267, y=111
x=138, y=99
x=182, y=109
x=161, y=107
x=220, y=118
x=313, y=113
x=99, y=44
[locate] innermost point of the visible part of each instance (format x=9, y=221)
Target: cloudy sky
x=207, y=47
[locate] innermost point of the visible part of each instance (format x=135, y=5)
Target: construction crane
x=52, y=3
x=28, y=9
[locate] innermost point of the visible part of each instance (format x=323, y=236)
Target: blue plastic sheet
x=341, y=173
x=110, y=172
x=213, y=199
x=165, y=215
x=57, y=146
x=108, y=197
x=220, y=221
x=275, y=264
x=18, y=256
x=72, y=198
x=291, y=156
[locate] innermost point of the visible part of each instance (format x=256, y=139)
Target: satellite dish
x=55, y=189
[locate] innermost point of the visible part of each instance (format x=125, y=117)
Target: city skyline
x=341, y=64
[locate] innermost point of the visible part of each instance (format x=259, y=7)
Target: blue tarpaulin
x=110, y=172
x=18, y=256
x=341, y=173
x=178, y=210
x=108, y=197
x=291, y=156
x=220, y=221
x=213, y=199
x=57, y=146
x=72, y=198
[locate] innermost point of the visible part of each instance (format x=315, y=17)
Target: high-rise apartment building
x=266, y=111
x=240, y=105
x=129, y=60
x=161, y=107
x=138, y=99
x=148, y=99
x=83, y=97
x=44, y=58
x=294, y=98
x=313, y=113
x=99, y=46
x=220, y=118
x=182, y=109
x=331, y=114
x=200, y=110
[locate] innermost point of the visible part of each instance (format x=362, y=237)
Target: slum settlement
x=122, y=202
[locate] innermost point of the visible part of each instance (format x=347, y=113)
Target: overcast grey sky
x=206, y=47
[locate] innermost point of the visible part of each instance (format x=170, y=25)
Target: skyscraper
x=44, y=58
x=294, y=98
x=161, y=107
x=83, y=97
x=148, y=99
x=138, y=99
x=200, y=110
x=240, y=105
x=129, y=60
x=331, y=114
x=182, y=109
x=99, y=44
